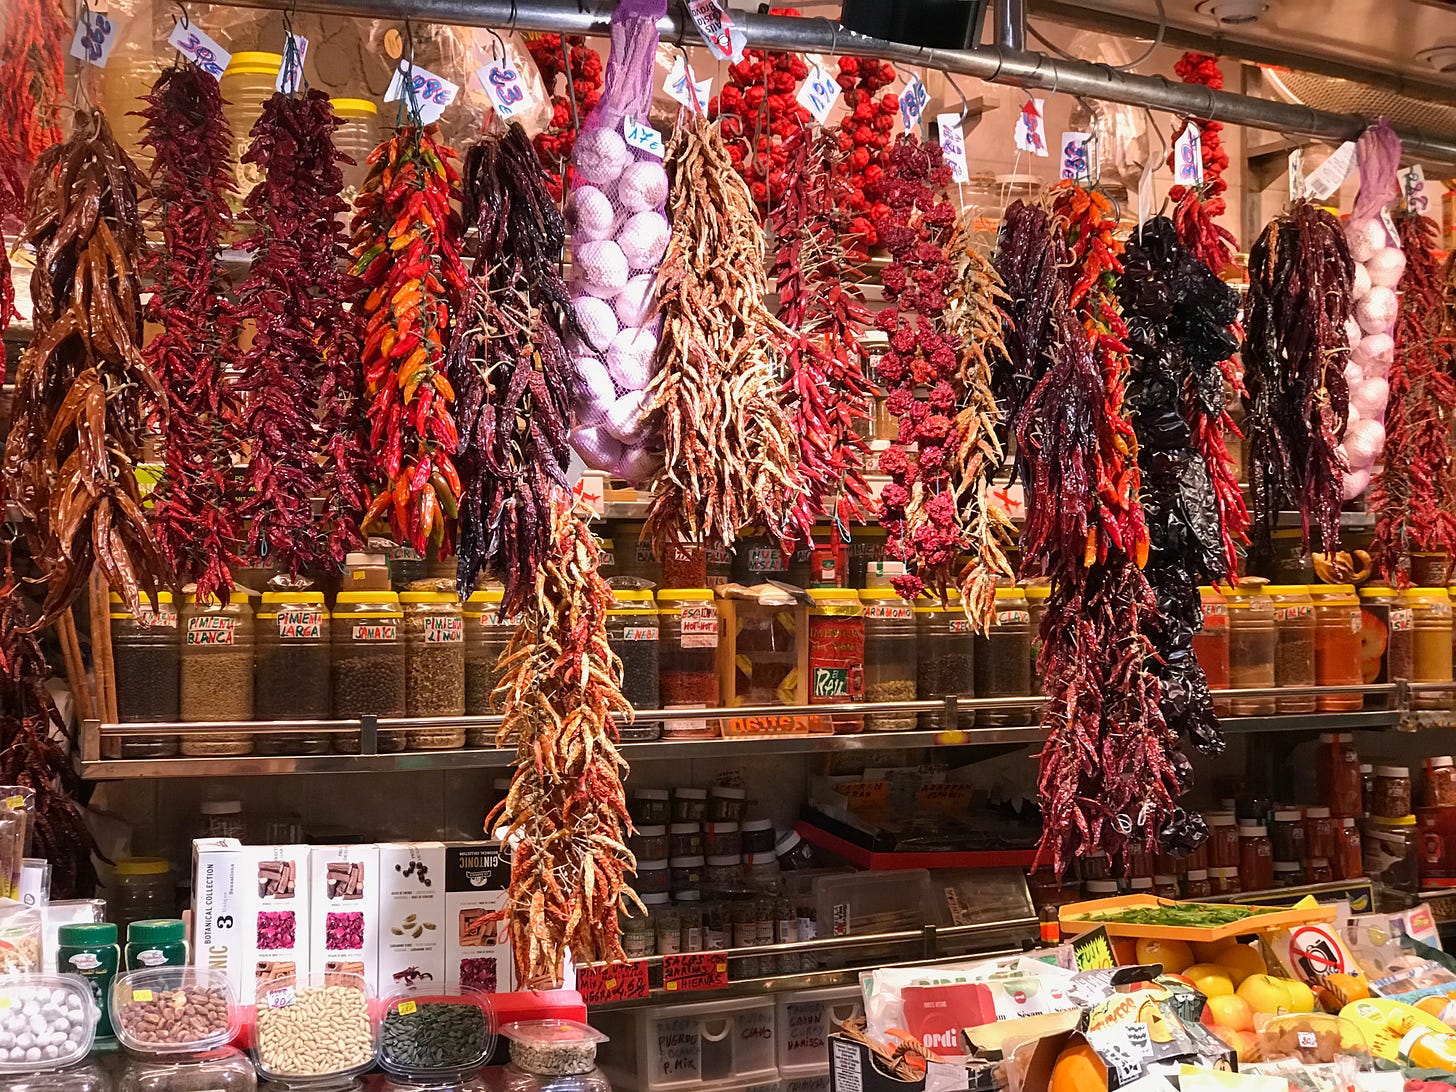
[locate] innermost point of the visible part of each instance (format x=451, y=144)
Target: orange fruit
x=1346, y=988
x=1233, y=1013
x=1078, y=1069
x=1174, y=955
x=1207, y=950
x=1241, y=960
x=1210, y=979
x=1124, y=950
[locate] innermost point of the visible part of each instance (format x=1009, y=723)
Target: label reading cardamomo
x=211, y=630
x=887, y=611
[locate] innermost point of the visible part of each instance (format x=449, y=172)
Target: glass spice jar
x=653, y=878
x=688, y=659
x=685, y=566
x=368, y=671
x=684, y=840
x=1195, y=884
x=632, y=633
x=1391, y=797
x=650, y=807
x=1165, y=885
x=1367, y=786
x=1037, y=594
x=1003, y=659
x=1348, y=861
x=434, y=648
x=837, y=653
x=1094, y=866
x=217, y=671
x=147, y=656
x=727, y=804
x=1287, y=874
x=944, y=656
x=889, y=656
x=1211, y=642
x=1286, y=835
x=1319, y=871
x=487, y=635
x=1223, y=839
x=1337, y=644
x=1223, y=881
x=649, y=842
x=1252, y=641
x=1320, y=832
x=1387, y=637
x=1440, y=790
x=1256, y=857
x=1431, y=661
x=1294, y=645
x=292, y=678
x=689, y=804
x=722, y=840
x=1337, y=768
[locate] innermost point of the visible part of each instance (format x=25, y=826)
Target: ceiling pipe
x=996, y=64
x=1011, y=24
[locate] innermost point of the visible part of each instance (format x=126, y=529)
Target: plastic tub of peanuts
x=315, y=1026
x=436, y=1033
x=173, y=1010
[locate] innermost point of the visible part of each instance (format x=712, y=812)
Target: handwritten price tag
x=619, y=982
x=682, y=85
x=95, y=35
x=1413, y=185
x=819, y=93
x=290, y=72
x=280, y=998
x=641, y=135
x=913, y=101
x=1031, y=127
x=1188, y=156
x=953, y=144
x=431, y=93
x=505, y=87
x=724, y=39
x=694, y=971
x=1077, y=163
x=1296, y=174
x=193, y=42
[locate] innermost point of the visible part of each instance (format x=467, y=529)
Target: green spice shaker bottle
x=156, y=942
x=91, y=951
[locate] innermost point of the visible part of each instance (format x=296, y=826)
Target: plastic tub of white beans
x=46, y=1021
x=311, y=1027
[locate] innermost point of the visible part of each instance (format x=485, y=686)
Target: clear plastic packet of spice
x=22, y=930
x=12, y=851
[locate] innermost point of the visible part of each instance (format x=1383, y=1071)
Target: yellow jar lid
x=693, y=595
x=163, y=597
x=879, y=593
x=1372, y=590
x=1287, y=589
x=830, y=595
x=1428, y=593
x=354, y=106
x=143, y=866
x=428, y=597
x=931, y=604
x=254, y=63
x=1331, y=589
x=386, y=598
x=1037, y=591
x=485, y=595
x=284, y=598
x=237, y=598
x=1393, y=821
x=1009, y=593
x=632, y=595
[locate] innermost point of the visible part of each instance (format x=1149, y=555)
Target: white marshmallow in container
x=642, y=187
x=600, y=156
x=631, y=359
x=635, y=303
x=592, y=217
x=644, y=239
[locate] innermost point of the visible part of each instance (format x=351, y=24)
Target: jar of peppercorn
x=487, y=635
x=687, y=674
x=632, y=633
x=1037, y=595
x=217, y=671
x=292, y=678
x=368, y=668
x=945, y=656
x=434, y=626
x=1294, y=645
x=148, y=660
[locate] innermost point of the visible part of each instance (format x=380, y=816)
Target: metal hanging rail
x=993, y=63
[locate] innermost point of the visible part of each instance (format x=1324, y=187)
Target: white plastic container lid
x=728, y=861
x=1392, y=771
x=1440, y=761
x=1196, y=874
x=1291, y=815
x=1252, y=830
x=690, y=794
x=1316, y=813
x=31, y=1006
x=1101, y=887
x=728, y=792
x=685, y=862
x=757, y=824
x=685, y=828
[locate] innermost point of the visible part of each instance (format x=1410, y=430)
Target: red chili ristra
x=195, y=505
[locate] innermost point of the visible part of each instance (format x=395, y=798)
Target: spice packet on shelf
x=413, y=923
x=279, y=923
x=344, y=911
x=21, y=938
x=477, y=951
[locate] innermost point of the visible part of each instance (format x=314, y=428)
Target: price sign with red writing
x=618, y=982
x=505, y=87
x=694, y=971
x=427, y=92
x=190, y=40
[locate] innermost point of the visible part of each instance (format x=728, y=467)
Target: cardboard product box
x=279, y=926
x=477, y=953
x=412, y=918
x=853, y=1067
x=220, y=908
x=344, y=910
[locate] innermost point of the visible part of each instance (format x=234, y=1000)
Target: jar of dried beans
x=945, y=656
x=368, y=664
x=217, y=671
x=434, y=648
x=1387, y=638
x=1211, y=642
x=1431, y=663
x=837, y=653
x=1337, y=644
x=1294, y=645
x=1252, y=639
x=687, y=676
x=487, y=634
x=632, y=633
x=292, y=680
x=1440, y=782
x=1003, y=660
x=1036, y=603
x=889, y=656
x=148, y=660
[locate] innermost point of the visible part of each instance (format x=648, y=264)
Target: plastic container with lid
x=758, y=836
x=1100, y=889
x=1224, y=880
x=222, y=819
x=369, y=662
x=1348, y=861
x=689, y=804
x=487, y=633
x=1286, y=835
x=945, y=659
x=553, y=1056
x=1195, y=884
x=89, y=950
x=1431, y=645
x=366, y=572
x=47, y=1021
x=1440, y=787
x=727, y=803
x=222, y=1070
x=292, y=680
x=889, y=656
x=248, y=82
x=632, y=633
x=147, y=653
x=174, y=1010
x=1037, y=595
x=1294, y=645
x=356, y=137
x=1337, y=768
x=1211, y=642
x=685, y=839
x=1223, y=839
x=1287, y=874
x=1252, y=641
x=1003, y=660
x=1256, y=857
x=437, y=1033
x=653, y=877
x=648, y=842
x=1337, y=644
x=761, y=655
x=650, y=806
x=217, y=672
x=687, y=674
x=155, y=942
x=1391, y=855
x=142, y=888
x=1391, y=797
x=1320, y=830
x=722, y=839
x=434, y=631
x=837, y=653
x=1387, y=637
x=286, y=1045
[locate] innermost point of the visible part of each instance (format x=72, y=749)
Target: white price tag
x=682, y=85
x=641, y=135
x=505, y=87
x=1188, y=156
x=953, y=144
x=1031, y=127
x=1296, y=174
x=1078, y=157
x=819, y=93
x=431, y=93
x=1413, y=185
x=280, y=998
x=913, y=101
x=1392, y=233
x=725, y=40
x=193, y=42
x=1327, y=177
x=290, y=72
x=95, y=35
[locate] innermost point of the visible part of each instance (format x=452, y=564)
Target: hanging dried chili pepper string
x=32, y=68
x=1197, y=208
x=510, y=370
x=1300, y=277
x=195, y=505
x=824, y=310
x=1414, y=498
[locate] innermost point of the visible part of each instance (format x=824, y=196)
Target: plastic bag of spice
x=619, y=234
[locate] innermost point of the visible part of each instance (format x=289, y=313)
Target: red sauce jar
x=1338, y=769
x=1223, y=840
x=1348, y=862
x=1320, y=829
x=1256, y=857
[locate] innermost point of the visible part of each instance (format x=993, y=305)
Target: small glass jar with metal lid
x=147, y=655
x=487, y=635
x=1293, y=645
x=1252, y=640
x=1003, y=660
x=434, y=650
x=889, y=656
x=632, y=633
x=217, y=671
x=1431, y=661
x=369, y=672
x=292, y=680
x=688, y=659
x=945, y=656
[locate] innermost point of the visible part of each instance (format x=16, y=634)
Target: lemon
x=1266, y=994
x=1210, y=979
x=1301, y=997
x=1241, y=960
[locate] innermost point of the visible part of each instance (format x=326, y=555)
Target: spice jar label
x=1294, y=613
x=1355, y=621
x=375, y=631
x=764, y=559
x=301, y=624
x=210, y=630
x=961, y=625
x=166, y=618
x=1215, y=610
x=1013, y=617
x=699, y=625
x=14, y=802
x=1402, y=619
x=887, y=611
x=444, y=629
x=639, y=633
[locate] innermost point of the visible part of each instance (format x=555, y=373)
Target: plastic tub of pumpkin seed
x=553, y=1056
x=435, y=1034
x=312, y=1027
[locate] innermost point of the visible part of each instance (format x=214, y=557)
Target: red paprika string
x=555, y=144
x=32, y=67
x=1197, y=209
x=865, y=132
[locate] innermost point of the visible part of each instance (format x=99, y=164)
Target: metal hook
x=682, y=25
x=515, y=13
x=182, y=10
x=498, y=45
x=965, y=102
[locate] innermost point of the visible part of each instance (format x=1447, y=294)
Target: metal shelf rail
x=101, y=744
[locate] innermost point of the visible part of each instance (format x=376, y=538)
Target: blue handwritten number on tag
x=506, y=91
x=1076, y=161
x=98, y=29
x=204, y=57
x=430, y=90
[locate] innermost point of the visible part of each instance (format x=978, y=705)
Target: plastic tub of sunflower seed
x=314, y=1027
x=553, y=1056
x=436, y=1034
